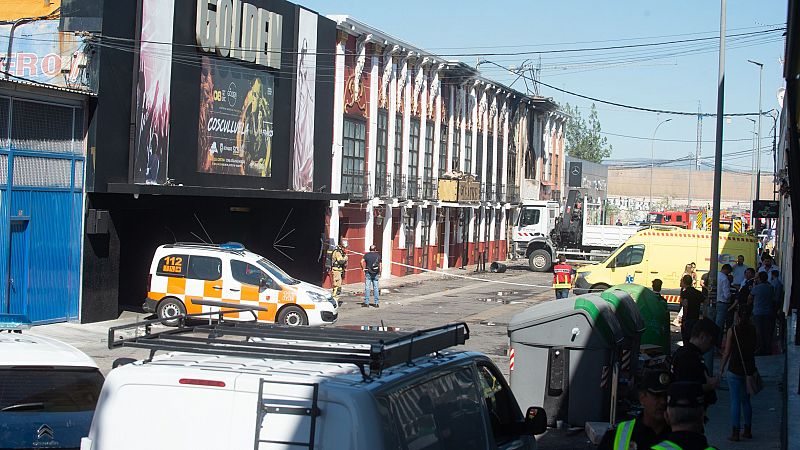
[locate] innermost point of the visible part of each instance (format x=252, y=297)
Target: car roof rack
x=372, y=351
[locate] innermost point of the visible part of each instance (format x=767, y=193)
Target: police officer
x=685, y=412
x=338, y=266
x=649, y=429
x=562, y=277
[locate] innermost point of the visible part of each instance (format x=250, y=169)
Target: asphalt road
x=486, y=303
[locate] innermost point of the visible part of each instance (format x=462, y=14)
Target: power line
x=622, y=105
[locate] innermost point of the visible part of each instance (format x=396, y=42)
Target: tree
x=582, y=137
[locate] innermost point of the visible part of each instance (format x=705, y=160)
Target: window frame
x=382, y=149
x=190, y=267
x=245, y=263
x=455, y=157
x=629, y=249
x=468, y=152
x=354, y=148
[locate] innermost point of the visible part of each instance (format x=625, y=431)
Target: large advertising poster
x=305, y=99
x=153, y=92
x=235, y=126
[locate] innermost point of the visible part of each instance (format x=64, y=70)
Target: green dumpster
x=655, y=314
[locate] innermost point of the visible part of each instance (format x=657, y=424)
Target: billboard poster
x=305, y=99
x=153, y=92
x=40, y=53
x=235, y=121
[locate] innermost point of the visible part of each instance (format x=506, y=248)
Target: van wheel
x=293, y=316
x=599, y=287
x=169, y=310
x=539, y=261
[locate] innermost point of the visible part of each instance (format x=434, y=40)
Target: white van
x=188, y=278
x=245, y=386
x=48, y=390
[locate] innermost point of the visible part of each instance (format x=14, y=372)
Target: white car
x=48, y=391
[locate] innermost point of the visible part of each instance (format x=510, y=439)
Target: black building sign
x=575, y=174
x=766, y=209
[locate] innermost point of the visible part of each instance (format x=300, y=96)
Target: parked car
x=242, y=385
x=48, y=390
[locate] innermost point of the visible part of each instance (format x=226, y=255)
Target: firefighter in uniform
x=338, y=266
x=562, y=277
x=685, y=413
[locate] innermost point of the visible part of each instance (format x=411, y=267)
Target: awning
x=203, y=191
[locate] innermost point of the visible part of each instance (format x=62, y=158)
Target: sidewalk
x=792, y=420
x=767, y=410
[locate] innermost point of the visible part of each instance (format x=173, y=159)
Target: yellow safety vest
x=669, y=445
x=622, y=438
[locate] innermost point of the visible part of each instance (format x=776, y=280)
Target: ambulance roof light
x=232, y=246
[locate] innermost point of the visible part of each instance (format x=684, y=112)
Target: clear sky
x=661, y=77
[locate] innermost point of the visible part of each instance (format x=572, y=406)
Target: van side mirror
x=264, y=283
x=121, y=362
x=535, y=420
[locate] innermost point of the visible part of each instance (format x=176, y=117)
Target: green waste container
x=655, y=314
x=563, y=352
x=632, y=323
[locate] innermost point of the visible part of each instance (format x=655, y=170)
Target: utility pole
x=689, y=197
x=758, y=138
x=652, y=159
x=712, y=270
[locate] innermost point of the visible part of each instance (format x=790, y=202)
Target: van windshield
x=276, y=272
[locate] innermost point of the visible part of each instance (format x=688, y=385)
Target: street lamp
x=758, y=138
x=652, y=159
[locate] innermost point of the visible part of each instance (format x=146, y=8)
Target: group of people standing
x=370, y=265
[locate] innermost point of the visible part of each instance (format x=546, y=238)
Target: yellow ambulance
x=185, y=275
x=663, y=252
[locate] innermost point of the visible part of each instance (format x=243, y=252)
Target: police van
x=48, y=389
x=245, y=385
x=189, y=278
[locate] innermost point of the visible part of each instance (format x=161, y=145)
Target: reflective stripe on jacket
x=562, y=276
x=669, y=445
x=622, y=438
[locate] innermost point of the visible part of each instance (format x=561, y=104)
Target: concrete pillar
x=446, y=255
x=437, y=124
x=371, y=153
x=423, y=121
x=338, y=124
x=386, y=248
x=392, y=111
x=450, y=129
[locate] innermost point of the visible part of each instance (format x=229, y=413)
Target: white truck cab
x=240, y=385
x=531, y=233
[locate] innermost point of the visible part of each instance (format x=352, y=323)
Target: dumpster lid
x=626, y=309
x=593, y=306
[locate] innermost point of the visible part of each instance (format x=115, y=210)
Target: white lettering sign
x=237, y=29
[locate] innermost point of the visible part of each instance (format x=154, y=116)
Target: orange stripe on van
x=308, y=306
x=269, y=314
x=209, y=290
x=674, y=299
x=176, y=286
x=156, y=295
x=191, y=307
x=249, y=293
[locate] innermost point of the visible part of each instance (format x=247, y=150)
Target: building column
x=506, y=138
x=386, y=248
x=474, y=115
x=389, y=60
x=450, y=129
x=496, y=153
x=462, y=125
x=338, y=124
x=485, y=129
x=436, y=87
x=446, y=243
x=423, y=118
x=371, y=153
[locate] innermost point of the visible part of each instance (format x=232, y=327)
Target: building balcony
x=399, y=187
x=383, y=185
x=430, y=189
x=512, y=194
x=356, y=184
x=414, y=189
x=500, y=193
x=487, y=192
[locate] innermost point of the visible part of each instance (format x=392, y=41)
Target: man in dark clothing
x=685, y=409
x=687, y=361
x=691, y=302
x=651, y=427
x=371, y=265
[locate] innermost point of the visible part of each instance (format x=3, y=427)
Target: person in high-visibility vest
x=563, y=277
x=685, y=413
x=651, y=427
